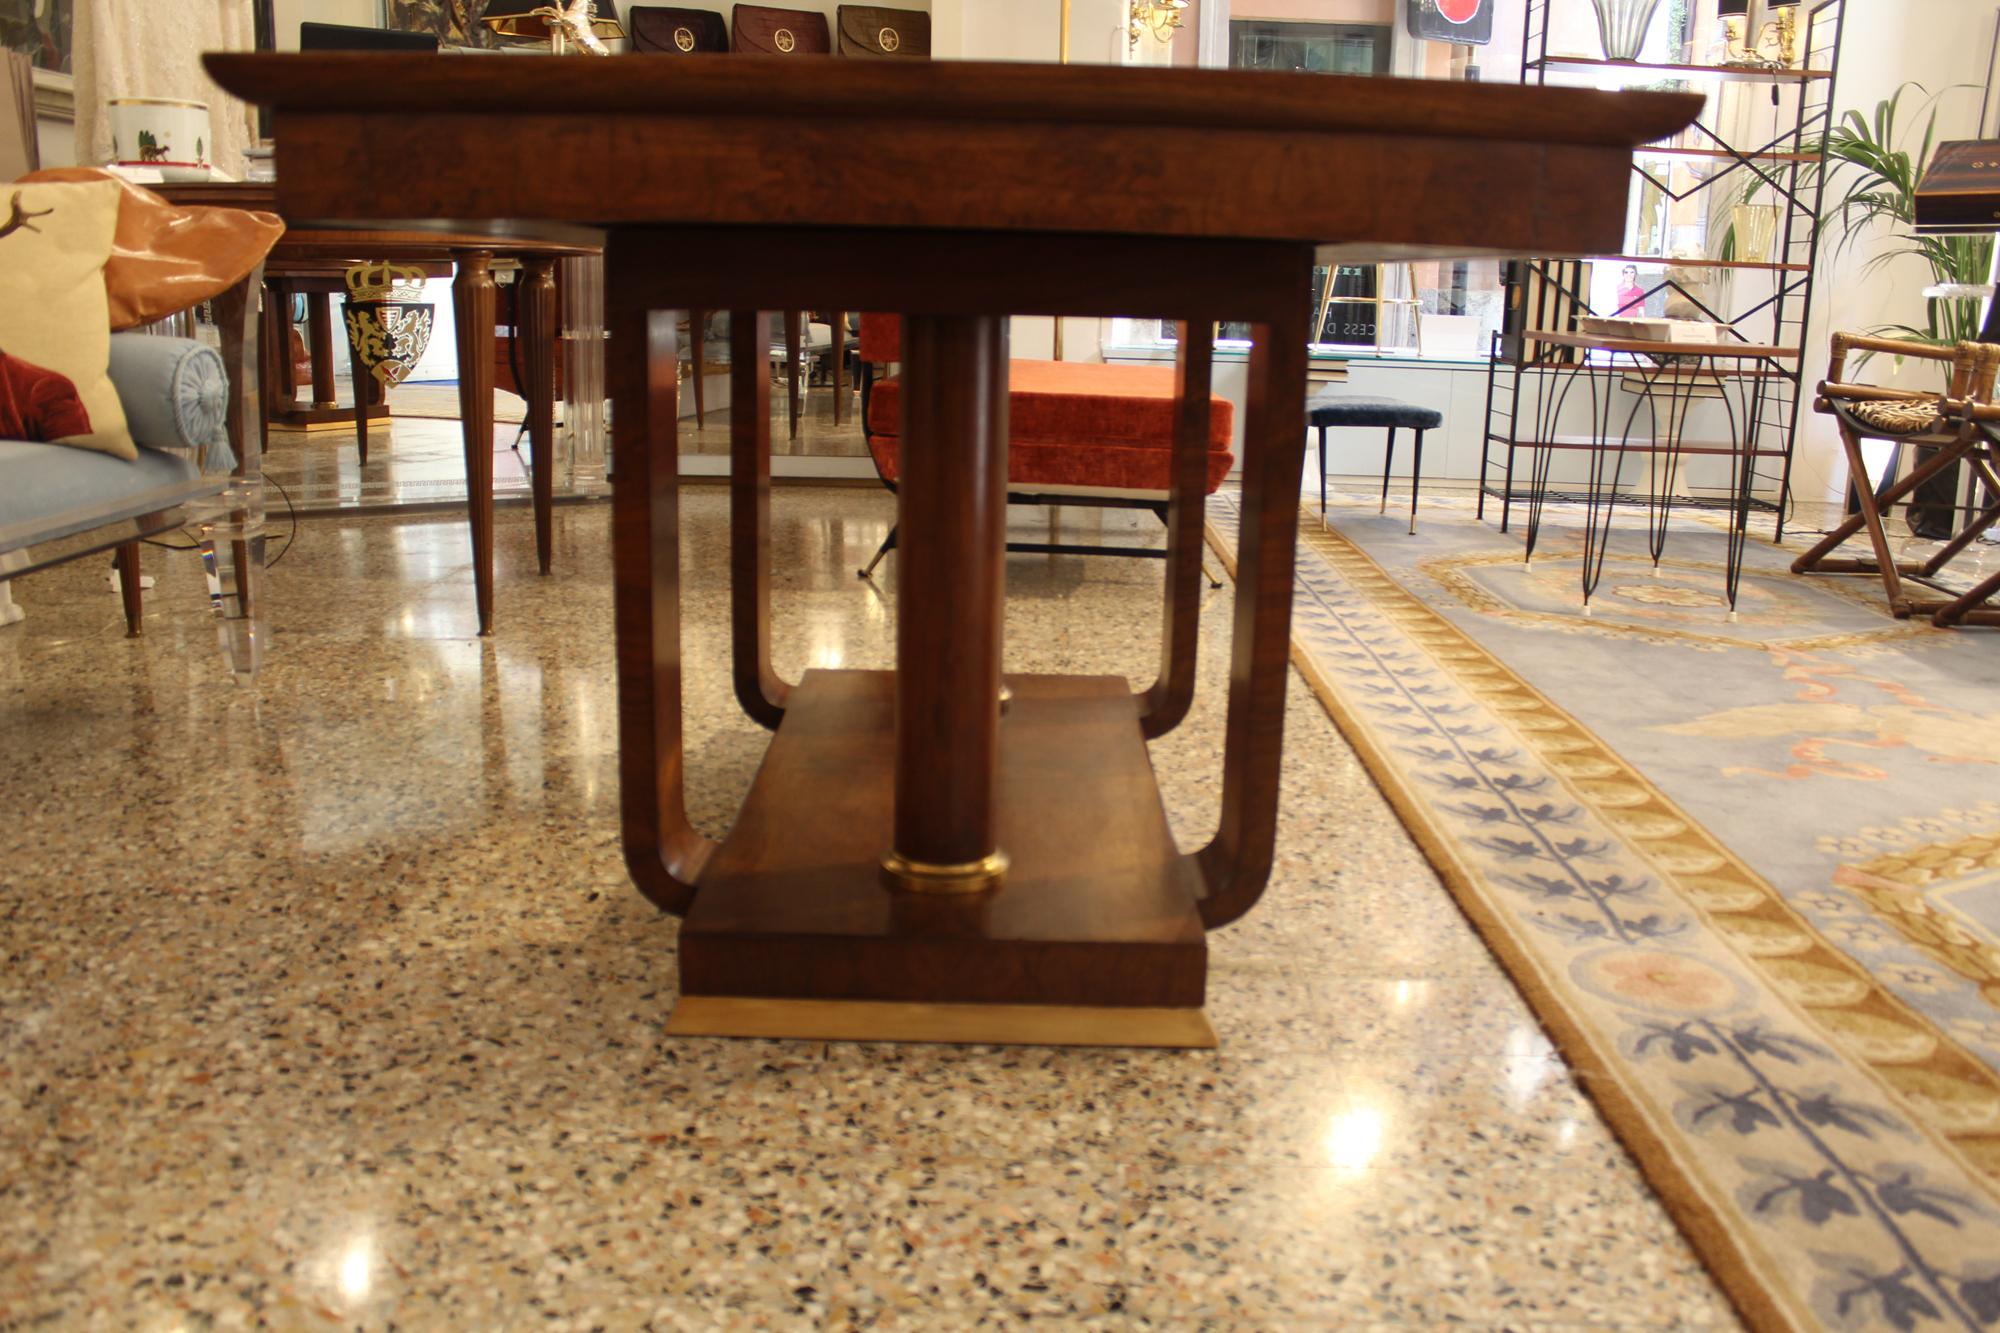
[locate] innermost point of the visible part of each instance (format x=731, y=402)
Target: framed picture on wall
x=39, y=30
x=1466, y=21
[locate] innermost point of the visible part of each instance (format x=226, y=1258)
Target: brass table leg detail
x=923, y=877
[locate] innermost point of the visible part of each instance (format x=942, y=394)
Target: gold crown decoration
x=380, y=280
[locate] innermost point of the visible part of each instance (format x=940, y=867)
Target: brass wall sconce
x=569, y=26
x=1772, y=23
x=1158, y=17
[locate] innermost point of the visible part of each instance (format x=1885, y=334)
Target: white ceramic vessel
x=164, y=133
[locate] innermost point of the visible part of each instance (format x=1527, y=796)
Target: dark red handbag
x=757, y=30
x=875, y=32
x=670, y=31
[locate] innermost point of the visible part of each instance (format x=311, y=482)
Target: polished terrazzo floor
x=328, y=1004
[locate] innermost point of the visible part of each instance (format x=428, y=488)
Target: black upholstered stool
x=1325, y=411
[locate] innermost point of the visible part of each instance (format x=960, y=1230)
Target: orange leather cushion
x=166, y=258
x=1077, y=423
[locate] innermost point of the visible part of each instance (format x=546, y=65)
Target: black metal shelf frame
x=1541, y=294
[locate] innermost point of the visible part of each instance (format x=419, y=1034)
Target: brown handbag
x=891, y=34
x=674, y=32
x=757, y=30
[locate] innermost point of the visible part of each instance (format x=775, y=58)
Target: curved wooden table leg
x=537, y=302
x=662, y=850
x=473, y=301
x=758, y=687
x=1236, y=864
x=1162, y=707
x=952, y=513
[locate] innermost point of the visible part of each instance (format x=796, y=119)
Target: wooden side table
x=922, y=856
x=312, y=258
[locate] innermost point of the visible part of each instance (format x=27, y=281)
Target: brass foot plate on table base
x=1095, y=917
x=960, y=1024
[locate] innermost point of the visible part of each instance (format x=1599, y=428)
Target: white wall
x=55, y=139
x=1031, y=30
x=288, y=14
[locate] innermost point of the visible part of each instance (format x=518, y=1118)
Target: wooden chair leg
x=473, y=301
x=1955, y=611
x=698, y=362
x=536, y=299
x=130, y=590
x=839, y=354
x=792, y=366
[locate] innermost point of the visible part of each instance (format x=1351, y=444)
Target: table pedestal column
x=950, y=582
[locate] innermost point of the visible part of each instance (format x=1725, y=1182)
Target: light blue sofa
x=59, y=503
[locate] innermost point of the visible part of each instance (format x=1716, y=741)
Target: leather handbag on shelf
x=871, y=31
x=758, y=30
x=671, y=31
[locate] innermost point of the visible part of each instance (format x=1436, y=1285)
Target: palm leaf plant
x=1876, y=186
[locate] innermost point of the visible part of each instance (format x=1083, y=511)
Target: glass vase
x=1622, y=25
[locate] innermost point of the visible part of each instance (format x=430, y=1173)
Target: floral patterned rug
x=1746, y=871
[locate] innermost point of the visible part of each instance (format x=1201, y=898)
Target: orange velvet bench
x=1078, y=432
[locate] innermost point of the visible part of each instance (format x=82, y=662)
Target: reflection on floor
x=330, y=1003
x=417, y=457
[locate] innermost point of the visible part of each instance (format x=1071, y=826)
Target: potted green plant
x=1876, y=183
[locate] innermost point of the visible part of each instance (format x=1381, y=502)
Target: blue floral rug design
x=1746, y=870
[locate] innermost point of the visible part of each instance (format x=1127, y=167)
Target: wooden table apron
x=986, y=191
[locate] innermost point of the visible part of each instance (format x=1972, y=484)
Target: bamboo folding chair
x=1960, y=424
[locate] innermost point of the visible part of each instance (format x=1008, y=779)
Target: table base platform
x=1093, y=937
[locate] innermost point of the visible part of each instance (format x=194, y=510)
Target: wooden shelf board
x=1097, y=908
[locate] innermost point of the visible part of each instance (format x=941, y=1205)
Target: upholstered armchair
x=187, y=406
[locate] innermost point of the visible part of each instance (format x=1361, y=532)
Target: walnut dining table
x=924, y=854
